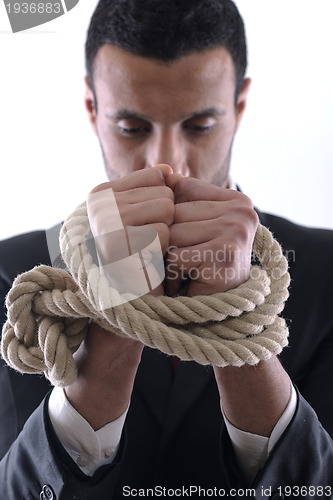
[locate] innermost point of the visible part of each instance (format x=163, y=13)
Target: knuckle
x=101, y=187
x=168, y=193
x=163, y=235
x=255, y=218
x=250, y=218
x=168, y=209
x=236, y=230
x=244, y=213
x=242, y=230
x=242, y=199
x=156, y=176
x=185, y=189
x=173, y=255
x=174, y=235
x=126, y=213
x=163, y=230
x=178, y=213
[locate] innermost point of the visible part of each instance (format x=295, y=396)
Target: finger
x=133, y=239
x=139, y=178
x=141, y=194
x=163, y=235
x=148, y=212
x=165, y=169
x=197, y=211
x=208, y=253
x=240, y=229
x=172, y=179
x=193, y=263
x=210, y=267
x=185, y=234
x=190, y=189
x=133, y=258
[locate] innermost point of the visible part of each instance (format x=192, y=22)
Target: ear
x=241, y=101
x=89, y=101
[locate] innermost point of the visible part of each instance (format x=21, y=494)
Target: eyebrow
x=124, y=114
x=206, y=112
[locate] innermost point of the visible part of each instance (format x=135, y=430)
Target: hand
x=126, y=216
x=107, y=366
x=211, y=237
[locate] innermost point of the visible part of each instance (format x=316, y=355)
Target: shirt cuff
x=88, y=448
x=252, y=450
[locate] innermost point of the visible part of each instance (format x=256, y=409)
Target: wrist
x=107, y=367
x=245, y=389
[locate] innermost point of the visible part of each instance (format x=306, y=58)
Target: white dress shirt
x=88, y=448
x=91, y=449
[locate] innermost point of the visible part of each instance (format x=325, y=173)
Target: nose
x=168, y=146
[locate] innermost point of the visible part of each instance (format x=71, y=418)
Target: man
x=166, y=86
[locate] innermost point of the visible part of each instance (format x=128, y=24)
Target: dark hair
x=167, y=30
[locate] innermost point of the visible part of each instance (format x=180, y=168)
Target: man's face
x=181, y=113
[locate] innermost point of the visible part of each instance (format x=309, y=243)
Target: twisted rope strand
x=49, y=312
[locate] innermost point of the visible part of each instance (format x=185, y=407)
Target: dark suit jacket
x=174, y=434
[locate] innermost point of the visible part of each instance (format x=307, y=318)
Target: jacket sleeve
x=20, y=395
x=299, y=466
x=302, y=458
x=36, y=463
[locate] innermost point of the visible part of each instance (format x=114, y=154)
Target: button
x=47, y=493
x=109, y=451
x=82, y=461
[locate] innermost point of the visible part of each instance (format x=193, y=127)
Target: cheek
x=120, y=159
x=213, y=155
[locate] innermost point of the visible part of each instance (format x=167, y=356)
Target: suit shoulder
x=21, y=253
x=292, y=235
x=308, y=251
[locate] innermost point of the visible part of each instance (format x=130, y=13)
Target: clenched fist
x=130, y=220
x=211, y=238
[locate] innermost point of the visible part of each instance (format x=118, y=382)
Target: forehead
x=120, y=76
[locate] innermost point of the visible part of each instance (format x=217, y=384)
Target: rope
x=49, y=312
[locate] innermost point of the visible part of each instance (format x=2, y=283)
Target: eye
x=199, y=125
x=199, y=128
x=132, y=127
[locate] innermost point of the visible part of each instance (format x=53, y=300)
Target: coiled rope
x=49, y=312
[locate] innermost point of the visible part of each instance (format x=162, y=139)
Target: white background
x=50, y=159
